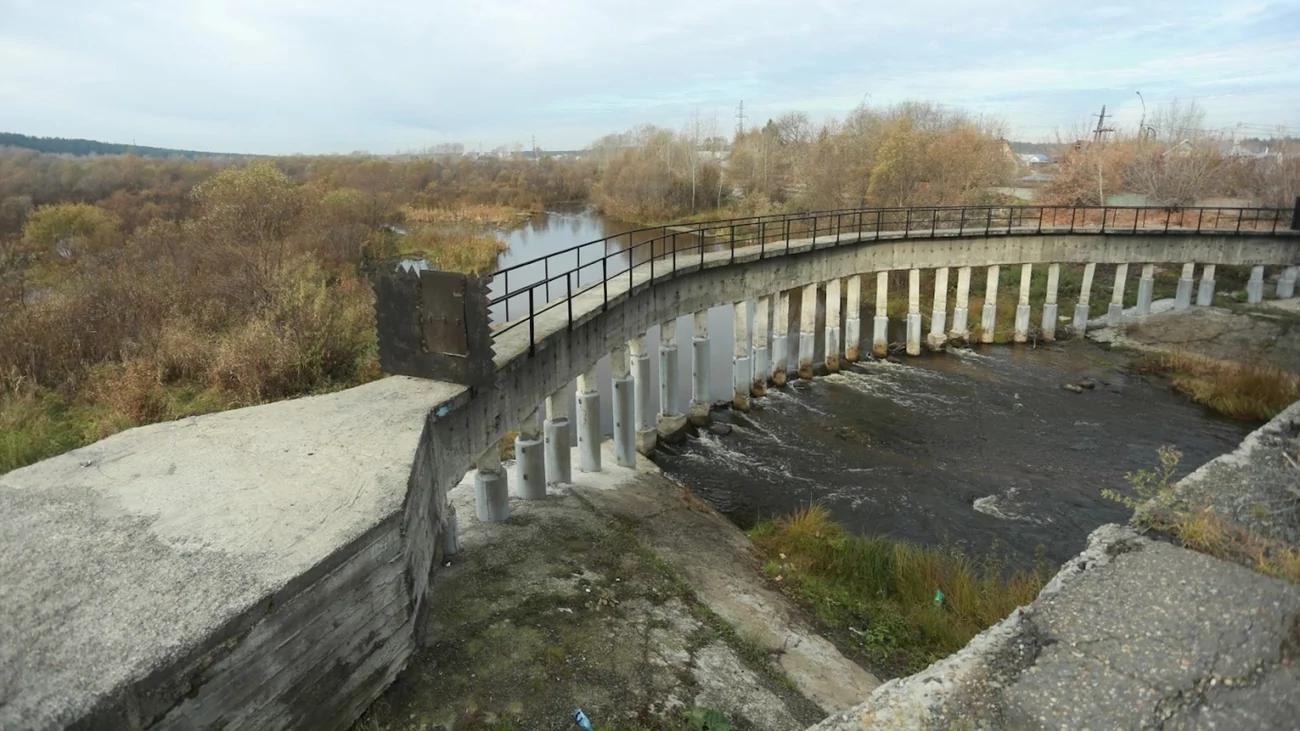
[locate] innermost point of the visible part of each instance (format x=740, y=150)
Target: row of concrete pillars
x=542, y=451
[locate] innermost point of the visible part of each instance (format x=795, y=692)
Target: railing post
x=568, y=285
x=733, y=242
x=762, y=238
x=1103, y=219
x=961, y=226
x=546, y=276
x=838, y=218
x=988, y=220
x=1167, y=213
x=787, y=235
x=907, y=222
x=1072, y=212
x=880, y=215
x=934, y=221
x=531, y=320
x=604, y=280
x=1238, y=220
x=1040, y=219
x=1295, y=216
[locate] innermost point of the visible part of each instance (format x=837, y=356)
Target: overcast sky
x=283, y=76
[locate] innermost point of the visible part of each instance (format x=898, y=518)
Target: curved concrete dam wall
x=267, y=567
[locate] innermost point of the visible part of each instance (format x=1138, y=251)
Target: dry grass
x=886, y=594
x=459, y=249
x=478, y=215
x=1203, y=530
x=1238, y=390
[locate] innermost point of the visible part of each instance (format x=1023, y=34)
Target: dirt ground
x=575, y=602
x=1269, y=334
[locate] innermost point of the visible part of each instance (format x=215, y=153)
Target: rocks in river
x=1072, y=387
x=719, y=430
x=1088, y=383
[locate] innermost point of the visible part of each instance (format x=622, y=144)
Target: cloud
x=332, y=76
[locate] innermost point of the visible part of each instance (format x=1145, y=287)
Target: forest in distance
x=142, y=287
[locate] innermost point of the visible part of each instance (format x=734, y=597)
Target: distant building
x=1031, y=158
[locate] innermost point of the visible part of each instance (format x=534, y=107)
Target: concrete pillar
x=1286, y=284
x=1115, y=314
x=491, y=487
x=559, y=467
x=1081, y=309
x=989, y=320
x=646, y=434
x=1183, y=298
x=450, y=531
x=807, y=330
x=914, y=312
x=624, y=409
x=880, y=327
x=833, y=347
x=961, y=308
x=781, y=338
x=1255, y=287
x=588, y=421
x=741, y=369
x=1021, y=332
x=698, y=410
x=853, y=319
x=1205, y=294
x=670, y=421
x=530, y=459
x=939, y=313
x=1146, y=288
x=1049, y=306
x=762, y=365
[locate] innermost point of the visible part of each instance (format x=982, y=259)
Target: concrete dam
x=268, y=567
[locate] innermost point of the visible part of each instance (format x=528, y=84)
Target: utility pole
x=740, y=119
x=1101, y=130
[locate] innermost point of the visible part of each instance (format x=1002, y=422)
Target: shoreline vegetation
x=1245, y=391
x=900, y=606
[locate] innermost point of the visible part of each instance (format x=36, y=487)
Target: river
x=976, y=449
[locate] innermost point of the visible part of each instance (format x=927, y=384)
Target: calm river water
x=980, y=449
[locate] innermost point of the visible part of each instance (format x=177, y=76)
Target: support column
x=1255, y=287
x=1286, y=284
x=1183, y=298
x=781, y=338
x=914, y=312
x=989, y=319
x=1115, y=315
x=700, y=404
x=1081, y=309
x=491, y=487
x=530, y=459
x=807, y=330
x=880, y=327
x=645, y=431
x=1146, y=288
x=1205, y=293
x=559, y=467
x=624, y=409
x=742, y=372
x=833, y=347
x=939, y=313
x=1021, y=332
x=853, y=319
x=762, y=365
x=670, y=421
x=1049, y=306
x=960, y=310
x=588, y=421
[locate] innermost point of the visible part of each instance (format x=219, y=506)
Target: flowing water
x=979, y=449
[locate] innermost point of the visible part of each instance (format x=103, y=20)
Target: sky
x=328, y=76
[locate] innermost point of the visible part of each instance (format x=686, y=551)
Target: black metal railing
x=668, y=250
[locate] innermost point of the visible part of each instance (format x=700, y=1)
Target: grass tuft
x=1237, y=390
x=884, y=595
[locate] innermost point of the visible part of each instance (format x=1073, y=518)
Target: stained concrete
x=592, y=599
x=245, y=568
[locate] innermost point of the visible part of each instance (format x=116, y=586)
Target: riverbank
x=1135, y=632
x=620, y=595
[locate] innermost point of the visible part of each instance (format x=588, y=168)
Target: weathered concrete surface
x=1131, y=634
x=1260, y=335
x=257, y=568
x=564, y=605
x=1257, y=485
x=719, y=563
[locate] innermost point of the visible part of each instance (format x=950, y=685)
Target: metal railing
x=566, y=275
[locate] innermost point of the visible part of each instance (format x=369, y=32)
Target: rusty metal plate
x=434, y=325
